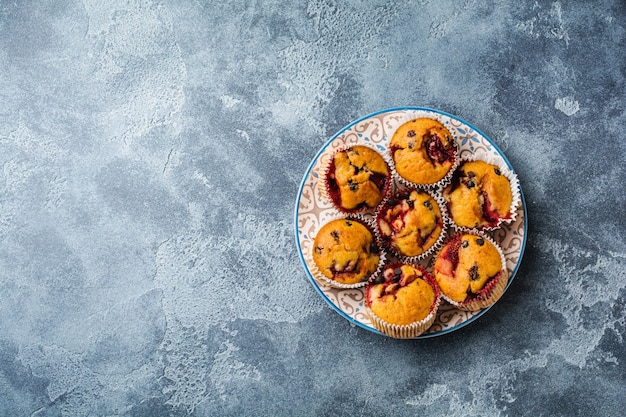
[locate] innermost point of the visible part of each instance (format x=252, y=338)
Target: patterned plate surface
x=312, y=210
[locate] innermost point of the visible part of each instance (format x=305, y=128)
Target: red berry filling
x=451, y=252
x=380, y=180
x=393, y=148
x=395, y=222
x=489, y=214
x=436, y=151
x=348, y=269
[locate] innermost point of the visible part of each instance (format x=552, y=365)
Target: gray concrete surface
x=151, y=153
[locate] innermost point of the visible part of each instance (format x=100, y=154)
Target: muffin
x=479, y=196
x=423, y=151
x=410, y=223
x=357, y=178
x=470, y=270
x=403, y=302
x=346, y=253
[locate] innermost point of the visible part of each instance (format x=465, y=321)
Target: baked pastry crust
x=403, y=297
x=423, y=151
x=469, y=268
x=403, y=301
x=357, y=178
x=479, y=195
x=410, y=223
x=345, y=251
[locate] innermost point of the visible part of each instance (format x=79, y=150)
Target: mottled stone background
x=150, y=156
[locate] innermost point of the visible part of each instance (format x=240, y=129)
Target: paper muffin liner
x=438, y=244
x=515, y=191
x=407, y=117
x=493, y=289
x=412, y=330
x=324, y=185
x=324, y=280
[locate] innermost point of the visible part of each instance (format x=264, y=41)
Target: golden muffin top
x=344, y=250
x=423, y=151
x=410, y=222
x=465, y=265
x=479, y=195
x=403, y=296
x=357, y=178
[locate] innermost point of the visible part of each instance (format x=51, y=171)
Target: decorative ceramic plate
x=312, y=210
